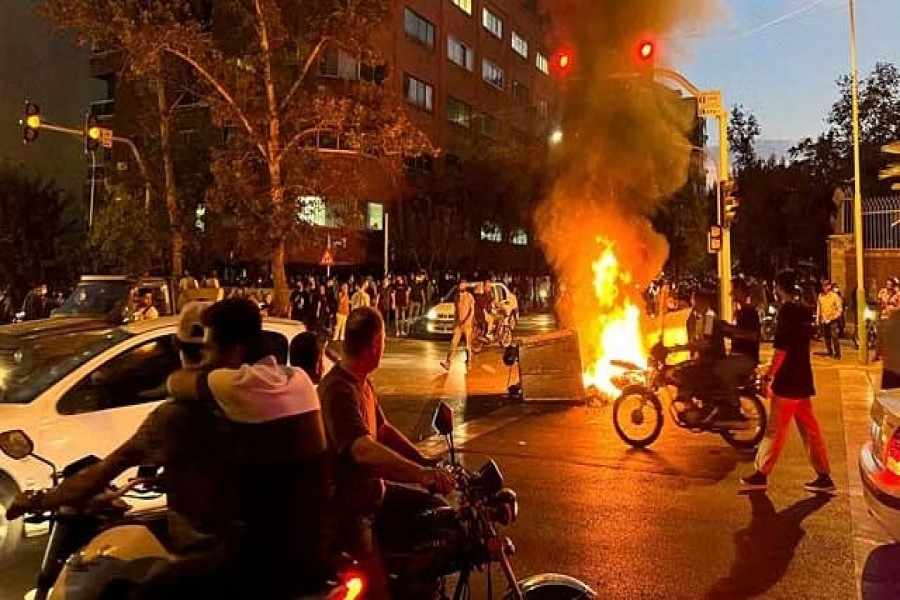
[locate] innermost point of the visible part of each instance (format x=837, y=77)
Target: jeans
x=783, y=411
x=832, y=340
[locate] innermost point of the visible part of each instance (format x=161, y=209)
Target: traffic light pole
x=724, y=255
x=122, y=140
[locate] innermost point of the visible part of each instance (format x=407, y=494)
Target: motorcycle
x=504, y=323
x=98, y=550
x=639, y=406
x=871, y=330
x=459, y=539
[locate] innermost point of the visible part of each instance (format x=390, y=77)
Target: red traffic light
x=562, y=62
x=646, y=49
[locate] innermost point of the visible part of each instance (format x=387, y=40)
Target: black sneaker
x=755, y=482
x=822, y=484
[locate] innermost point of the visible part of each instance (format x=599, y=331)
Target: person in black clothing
x=735, y=369
x=791, y=390
x=298, y=301
x=707, y=346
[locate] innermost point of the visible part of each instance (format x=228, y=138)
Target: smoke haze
x=625, y=149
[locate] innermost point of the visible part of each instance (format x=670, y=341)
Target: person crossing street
x=465, y=321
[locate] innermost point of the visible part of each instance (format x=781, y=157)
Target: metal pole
x=93, y=185
x=387, y=224
x=857, y=197
x=328, y=266
x=725, y=253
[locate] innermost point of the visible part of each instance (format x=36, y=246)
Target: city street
x=662, y=523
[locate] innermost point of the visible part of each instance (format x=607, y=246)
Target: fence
x=881, y=222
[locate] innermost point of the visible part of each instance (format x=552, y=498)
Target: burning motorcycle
x=460, y=539
x=98, y=550
x=638, y=411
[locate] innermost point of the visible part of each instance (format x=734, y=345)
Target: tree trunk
x=165, y=143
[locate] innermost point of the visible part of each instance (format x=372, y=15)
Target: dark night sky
x=45, y=66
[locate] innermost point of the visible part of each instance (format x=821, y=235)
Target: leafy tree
x=42, y=231
x=743, y=131
x=125, y=238
x=122, y=27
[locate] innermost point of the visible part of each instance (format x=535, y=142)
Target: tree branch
x=226, y=96
x=297, y=137
x=303, y=72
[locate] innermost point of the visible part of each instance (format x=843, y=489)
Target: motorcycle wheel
x=753, y=408
x=505, y=336
x=639, y=407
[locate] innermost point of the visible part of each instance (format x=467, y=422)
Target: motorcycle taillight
x=351, y=588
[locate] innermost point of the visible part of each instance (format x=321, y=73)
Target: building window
x=492, y=23
x=423, y=163
x=312, y=210
x=543, y=109
x=520, y=93
x=375, y=216
x=491, y=232
x=418, y=92
x=518, y=238
x=459, y=112
x=542, y=64
x=460, y=53
x=463, y=5
x=492, y=73
x=519, y=45
x=419, y=28
x=490, y=126
x=334, y=62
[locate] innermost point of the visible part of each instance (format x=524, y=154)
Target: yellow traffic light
x=94, y=132
x=33, y=121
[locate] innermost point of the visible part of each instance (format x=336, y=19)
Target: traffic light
x=31, y=122
x=91, y=134
x=730, y=203
x=563, y=61
x=645, y=56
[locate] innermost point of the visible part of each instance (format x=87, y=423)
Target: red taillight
x=352, y=588
x=892, y=453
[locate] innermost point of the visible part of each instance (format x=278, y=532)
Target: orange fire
x=615, y=333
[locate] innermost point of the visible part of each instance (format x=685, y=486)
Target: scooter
x=97, y=550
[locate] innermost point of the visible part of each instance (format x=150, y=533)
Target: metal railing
x=881, y=222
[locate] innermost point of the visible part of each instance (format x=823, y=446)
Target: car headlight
x=772, y=309
x=432, y=313
x=869, y=314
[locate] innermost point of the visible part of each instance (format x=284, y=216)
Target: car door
x=102, y=404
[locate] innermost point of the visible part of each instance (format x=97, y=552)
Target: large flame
x=616, y=330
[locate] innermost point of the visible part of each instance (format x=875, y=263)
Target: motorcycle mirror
x=16, y=444
x=443, y=419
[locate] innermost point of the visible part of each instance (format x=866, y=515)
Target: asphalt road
x=662, y=523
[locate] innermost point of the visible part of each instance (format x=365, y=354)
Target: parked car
x=439, y=319
x=112, y=298
x=83, y=392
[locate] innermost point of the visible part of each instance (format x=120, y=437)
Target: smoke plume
x=625, y=149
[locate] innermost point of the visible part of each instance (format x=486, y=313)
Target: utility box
x=550, y=368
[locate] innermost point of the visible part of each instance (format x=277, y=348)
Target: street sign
x=327, y=259
x=106, y=137
x=709, y=103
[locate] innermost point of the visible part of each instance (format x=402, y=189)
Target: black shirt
x=792, y=335
x=747, y=319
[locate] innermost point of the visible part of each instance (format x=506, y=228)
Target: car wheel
x=10, y=531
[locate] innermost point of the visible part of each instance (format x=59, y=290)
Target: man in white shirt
x=465, y=320
x=146, y=311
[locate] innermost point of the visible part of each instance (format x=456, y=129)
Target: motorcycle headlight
x=869, y=314
x=505, y=507
x=432, y=313
x=772, y=309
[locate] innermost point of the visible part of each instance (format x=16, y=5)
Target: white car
x=879, y=462
x=80, y=392
x=439, y=319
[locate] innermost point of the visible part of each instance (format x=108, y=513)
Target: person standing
x=401, y=303
x=343, y=311
x=298, y=301
x=146, y=311
x=360, y=297
x=384, y=302
x=829, y=309
x=187, y=282
x=791, y=390
x=417, y=297
x=465, y=320
x=212, y=281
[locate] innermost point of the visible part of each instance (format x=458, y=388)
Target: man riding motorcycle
x=367, y=449
x=735, y=369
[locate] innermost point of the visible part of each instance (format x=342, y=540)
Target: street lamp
x=556, y=137
x=857, y=192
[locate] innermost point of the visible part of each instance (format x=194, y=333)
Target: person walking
x=829, y=309
x=465, y=320
x=343, y=311
x=791, y=390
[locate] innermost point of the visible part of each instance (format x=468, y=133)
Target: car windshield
x=95, y=298
x=30, y=366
